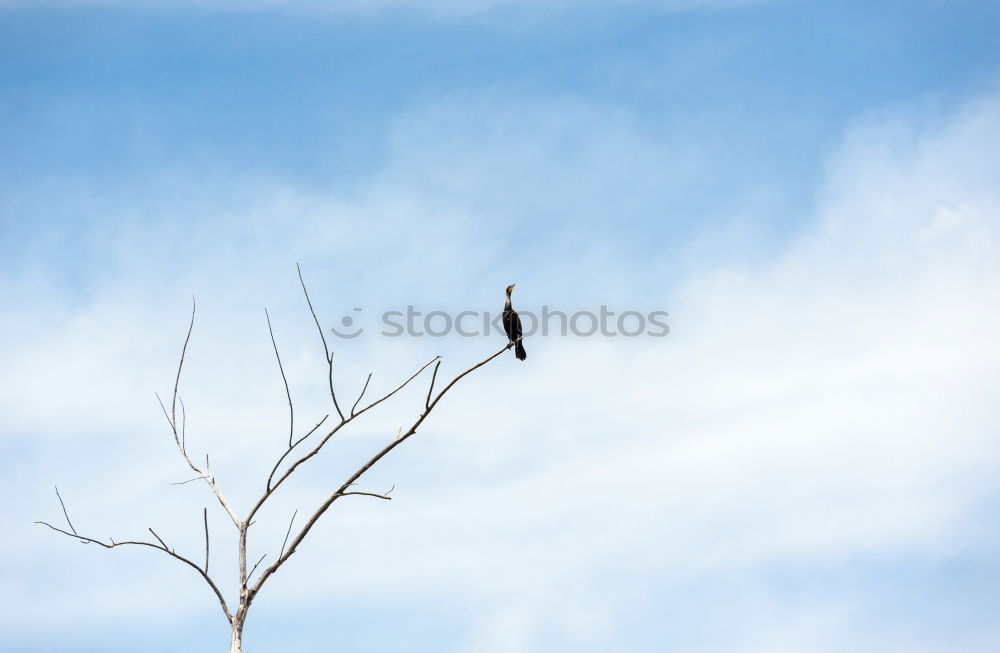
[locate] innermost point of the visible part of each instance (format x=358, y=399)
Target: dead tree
x=289, y=461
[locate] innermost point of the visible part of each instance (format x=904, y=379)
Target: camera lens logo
x=349, y=330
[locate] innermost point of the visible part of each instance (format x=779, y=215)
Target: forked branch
x=272, y=486
x=344, y=490
x=181, y=444
x=274, y=469
x=362, y=394
x=160, y=546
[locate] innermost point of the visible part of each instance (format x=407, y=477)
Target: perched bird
x=512, y=325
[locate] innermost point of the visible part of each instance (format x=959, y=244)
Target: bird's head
x=509, y=289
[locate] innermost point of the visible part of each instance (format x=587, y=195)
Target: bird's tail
x=519, y=351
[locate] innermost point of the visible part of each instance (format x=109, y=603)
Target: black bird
x=512, y=325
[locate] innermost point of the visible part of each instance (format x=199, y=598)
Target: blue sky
x=807, y=462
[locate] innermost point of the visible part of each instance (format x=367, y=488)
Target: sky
x=807, y=461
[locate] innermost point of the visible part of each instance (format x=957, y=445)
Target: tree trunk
x=236, y=641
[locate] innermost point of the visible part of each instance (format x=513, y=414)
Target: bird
x=512, y=325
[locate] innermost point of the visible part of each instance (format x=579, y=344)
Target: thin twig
x=311, y=431
x=333, y=393
x=164, y=409
x=288, y=532
x=289, y=450
x=291, y=409
x=259, y=560
x=65, y=514
x=180, y=366
x=362, y=394
x=326, y=349
x=204, y=512
x=368, y=494
x=164, y=544
x=431, y=389
x=398, y=388
x=190, y=480
x=183, y=425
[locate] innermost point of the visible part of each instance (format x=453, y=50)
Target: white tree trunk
x=236, y=641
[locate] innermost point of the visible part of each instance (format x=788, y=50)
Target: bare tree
x=289, y=461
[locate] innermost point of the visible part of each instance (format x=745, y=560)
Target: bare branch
x=288, y=472
x=181, y=445
x=65, y=514
x=291, y=409
x=369, y=494
x=257, y=564
x=427, y=403
x=164, y=409
x=362, y=394
x=162, y=543
x=190, y=480
x=333, y=393
x=183, y=425
x=326, y=349
x=456, y=380
x=288, y=532
x=311, y=431
x=289, y=450
x=343, y=489
x=215, y=488
x=113, y=544
x=180, y=366
x=82, y=538
x=204, y=512
x=398, y=388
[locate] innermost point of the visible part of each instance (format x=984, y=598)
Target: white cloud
x=834, y=404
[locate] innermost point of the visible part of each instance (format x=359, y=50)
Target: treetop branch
x=284, y=379
x=343, y=489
